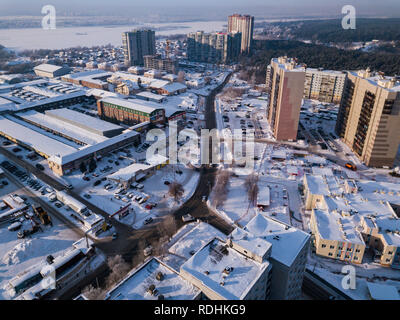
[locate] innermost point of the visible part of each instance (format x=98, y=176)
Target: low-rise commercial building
x=130, y=111
x=50, y=71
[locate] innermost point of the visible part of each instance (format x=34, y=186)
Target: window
x=332, y=247
x=330, y=254
x=357, y=250
x=390, y=252
x=323, y=246
x=355, y=258
x=387, y=260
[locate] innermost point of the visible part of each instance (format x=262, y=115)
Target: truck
x=350, y=166
x=41, y=214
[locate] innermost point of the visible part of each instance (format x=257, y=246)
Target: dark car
x=39, y=166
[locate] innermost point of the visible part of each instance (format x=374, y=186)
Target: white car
x=188, y=218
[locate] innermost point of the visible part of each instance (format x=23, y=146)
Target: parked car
x=188, y=218
x=148, y=220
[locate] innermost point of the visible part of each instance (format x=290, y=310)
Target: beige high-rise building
x=324, y=85
x=136, y=44
x=245, y=25
x=285, y=84
x=369, y=117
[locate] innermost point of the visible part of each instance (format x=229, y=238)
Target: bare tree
x=119, y=268
x=181, y=76
x=221, y=188
x=176, y=190
x=252, y=188
x=94, y=293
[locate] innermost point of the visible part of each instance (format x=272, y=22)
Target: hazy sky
x=193, y=8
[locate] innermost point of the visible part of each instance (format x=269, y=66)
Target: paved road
x=129, y=243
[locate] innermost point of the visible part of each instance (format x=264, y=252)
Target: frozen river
x=37, y=38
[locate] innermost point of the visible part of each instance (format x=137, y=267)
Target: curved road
x=129, y=243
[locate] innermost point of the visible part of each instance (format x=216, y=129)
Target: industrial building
x=369, y=117
x=40, y=95
x=85, y=122
x=50, y=71
x=96, y=78
x=62, y=164
x=285, y=83
x=130, y=111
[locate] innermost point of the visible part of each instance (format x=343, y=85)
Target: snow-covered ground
x=154, y=189
x=16, y=255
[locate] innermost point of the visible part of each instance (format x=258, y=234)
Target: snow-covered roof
x=333, y=226
x=84, y=121
x=263, y=196
x=173, y=87
x=136, y=284
x=251, y=243
x=317, y=185
x=379, y=291
x=45, y=67
x=287, y=242
x=129, y=172
x=133, y=104
x=150, y=95
x=322, y=171
x=208, y=264
x=88, y=74
x=34, y=139
x=63, y=159
x=156, y=160
x=67, y=129
x=188, y=240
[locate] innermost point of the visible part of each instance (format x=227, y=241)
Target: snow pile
x=19, y=253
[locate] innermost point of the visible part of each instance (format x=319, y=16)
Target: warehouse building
x=85, y=122
x=50, y=71
x=130, y=111
x=62, y=164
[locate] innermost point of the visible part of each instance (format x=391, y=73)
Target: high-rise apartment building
x=136, y=44
x=369, y=117
x=245, y=25
x=217, y=47
x=324, y=85
x=285, y=84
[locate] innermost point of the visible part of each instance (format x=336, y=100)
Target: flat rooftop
x=188, y=240
x=133, y=104
x=136, y=284
x=333, y=226
x=208, y=264
x=34, y=139
x=287, y=242
x=62, y=127
x=84, y=121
